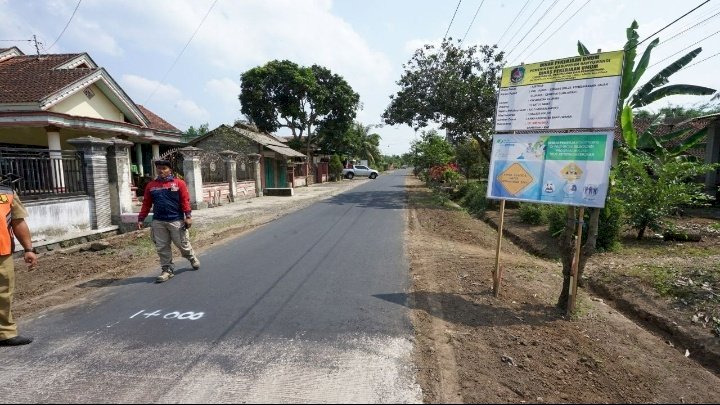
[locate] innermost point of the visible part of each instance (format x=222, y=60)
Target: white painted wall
x=49, y=219
x=98, y=106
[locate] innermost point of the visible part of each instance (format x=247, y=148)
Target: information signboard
x=567, y=169
x=579, y=92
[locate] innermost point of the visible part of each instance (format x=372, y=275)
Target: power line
x=473, y=21
x=181, y=52
x=676, y=20
x=66, y=25
x=523, y=24
x=453, y=19
x=513, y=22
x=548, y=26
x=688, y=29
x=684, y=49
x=559, y=28
x=533, y=27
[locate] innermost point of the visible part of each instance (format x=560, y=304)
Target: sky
x=183, y=59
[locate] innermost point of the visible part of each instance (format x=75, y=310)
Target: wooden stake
x=497, y=273
x=575, y=264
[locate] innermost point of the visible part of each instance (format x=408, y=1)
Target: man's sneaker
x=195, y=263
x=16, y=341
x=165, y=276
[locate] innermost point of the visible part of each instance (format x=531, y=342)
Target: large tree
x=653, y=90
x=307, y=100
x=451, y=86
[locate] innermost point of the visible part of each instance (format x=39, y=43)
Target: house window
x=89, y=93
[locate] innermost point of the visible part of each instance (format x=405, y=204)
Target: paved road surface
x=300, y=310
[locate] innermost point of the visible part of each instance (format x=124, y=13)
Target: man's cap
x=163, y=162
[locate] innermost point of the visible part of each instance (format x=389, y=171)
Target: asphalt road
x=301, y=310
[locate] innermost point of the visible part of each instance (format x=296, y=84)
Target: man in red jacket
x=172, y=216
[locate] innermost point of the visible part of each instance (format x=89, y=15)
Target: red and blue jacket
x=169, y=198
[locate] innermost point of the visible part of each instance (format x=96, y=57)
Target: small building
x=277, y=161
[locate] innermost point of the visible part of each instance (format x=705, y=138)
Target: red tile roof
x=156, y=122
x=30, y=79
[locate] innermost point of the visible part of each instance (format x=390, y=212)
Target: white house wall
x=50, y=219
x=98, y=106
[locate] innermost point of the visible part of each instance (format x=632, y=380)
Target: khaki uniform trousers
x=8, y=328
x=163, y=233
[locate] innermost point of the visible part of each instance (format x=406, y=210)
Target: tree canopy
x=451, y=86
x=307, y=100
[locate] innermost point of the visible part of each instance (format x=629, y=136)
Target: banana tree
x=653, y=90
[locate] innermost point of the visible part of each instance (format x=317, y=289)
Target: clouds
x=164, y=98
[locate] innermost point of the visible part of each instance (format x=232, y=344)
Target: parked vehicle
x=359, y=171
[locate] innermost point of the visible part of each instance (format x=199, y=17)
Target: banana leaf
x=629, y=63
x=675, y=89
x=690, y=142
x=582, y=50
x=628, y=131
x=661, y=78
x=647, y=138
x=644, y=61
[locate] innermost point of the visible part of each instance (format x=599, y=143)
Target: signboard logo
x=517, y=75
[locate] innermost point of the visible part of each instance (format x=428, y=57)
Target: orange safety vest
x=7, y=242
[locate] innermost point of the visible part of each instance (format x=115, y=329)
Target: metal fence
x=44, y=173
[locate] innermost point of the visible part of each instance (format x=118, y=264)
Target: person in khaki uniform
x=172, y=217
x=14, y=213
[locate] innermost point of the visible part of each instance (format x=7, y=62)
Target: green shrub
x=335, y=167
x=609, y=225
x=533, y=214
x=556, y=216
x=475, y=201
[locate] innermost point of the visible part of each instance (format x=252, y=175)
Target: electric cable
x=548, y=26
x=66, y=25
x=558, y=29
x=688, y=29
x=513, y=22
x=181, y=52
x=676, y=20
x=684, y=49
x=451, y=20
x=533, y=27
x=473, y=21
x=523, y=24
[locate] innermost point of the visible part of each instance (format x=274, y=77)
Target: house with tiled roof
x=279, y=165
x=75, y=138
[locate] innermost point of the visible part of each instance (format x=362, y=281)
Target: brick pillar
x=255, y=159
x=120, y=179
x=96, y=173
x=193, y=176
x=230, y=159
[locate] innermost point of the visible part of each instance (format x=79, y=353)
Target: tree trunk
x=567, y=251
x=588, y=248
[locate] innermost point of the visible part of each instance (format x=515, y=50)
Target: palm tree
x=367, y=144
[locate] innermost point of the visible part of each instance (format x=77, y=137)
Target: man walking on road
x=14, y=213
x=172, y=218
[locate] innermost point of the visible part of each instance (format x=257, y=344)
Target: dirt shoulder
x=473, y=347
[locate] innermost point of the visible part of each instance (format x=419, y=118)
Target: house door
x=282, y=177
x=269, y=173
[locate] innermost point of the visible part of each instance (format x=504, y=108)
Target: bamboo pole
x=575, y=265
x=497, y=273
